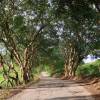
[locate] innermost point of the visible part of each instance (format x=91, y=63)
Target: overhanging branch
x=37, y=34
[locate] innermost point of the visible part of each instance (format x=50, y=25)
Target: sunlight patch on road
x=44, y=74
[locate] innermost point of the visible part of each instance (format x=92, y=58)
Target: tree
x=79, y=25
x=21, y=28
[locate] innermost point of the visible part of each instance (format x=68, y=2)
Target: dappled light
x=44, y=74
x=49, y=49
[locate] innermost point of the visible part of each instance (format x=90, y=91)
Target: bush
x=56, y=68
x=37, y=70
x=59, y=68
x=89, y=69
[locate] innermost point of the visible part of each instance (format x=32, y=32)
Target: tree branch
x=36, y=35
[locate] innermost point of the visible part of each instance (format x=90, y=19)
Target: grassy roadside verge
x=9, y=92
x=89, y=70
x=89, y=76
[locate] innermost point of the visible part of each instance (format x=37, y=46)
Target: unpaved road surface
x=54, y=89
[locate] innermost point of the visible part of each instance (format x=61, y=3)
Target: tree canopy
x=34, y=30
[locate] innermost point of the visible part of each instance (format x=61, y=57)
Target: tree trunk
x=70, y=69
x=71, y=62
x=29, y=55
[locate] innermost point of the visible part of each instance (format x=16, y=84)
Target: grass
x=89, y=69
x=1, y=76
x=36, y=71
x=6, y=93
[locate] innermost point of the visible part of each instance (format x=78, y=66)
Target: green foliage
x=1, y=76
x=11, y=73
x=89, y=69
x=48, y=69
x=37, y=71
x=52, y=61
x=79, y=23
x=59, y=68
x=18, y=21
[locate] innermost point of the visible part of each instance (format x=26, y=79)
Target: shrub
x=89, y=69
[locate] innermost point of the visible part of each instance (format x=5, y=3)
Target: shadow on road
x=50, y=83
x=97, y=97
x=56, y=89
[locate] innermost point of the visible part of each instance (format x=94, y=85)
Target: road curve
x=54, y=89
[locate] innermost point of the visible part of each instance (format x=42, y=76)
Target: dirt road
x=54, y=89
